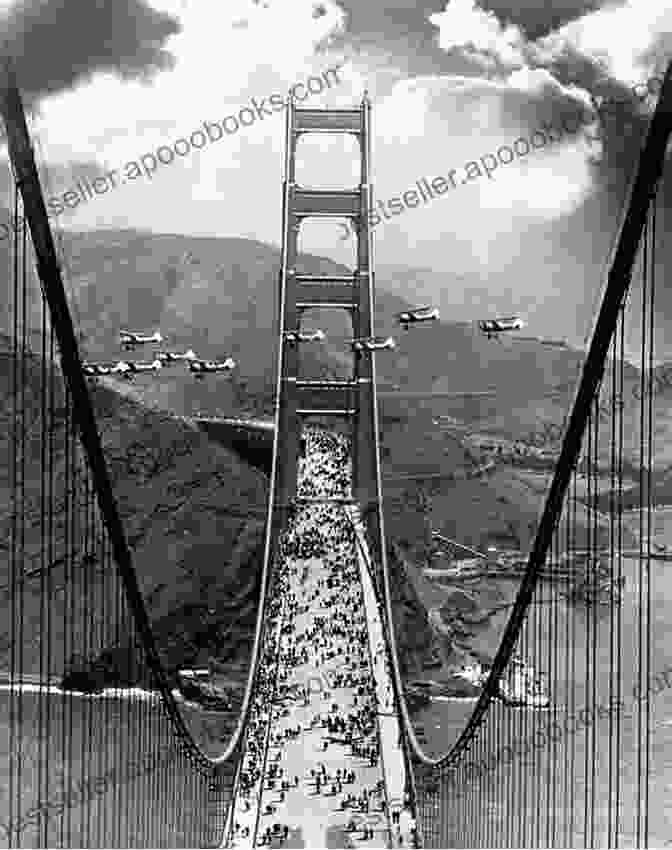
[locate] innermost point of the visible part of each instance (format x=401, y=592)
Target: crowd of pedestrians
x=312, y=760
x=325, y=465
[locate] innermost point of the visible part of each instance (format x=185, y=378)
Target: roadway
x=322, y=766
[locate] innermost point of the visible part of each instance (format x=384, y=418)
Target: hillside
x=185, y=504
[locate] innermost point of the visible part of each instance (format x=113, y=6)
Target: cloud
x=619, y=39
x=222, y=58
x=429, y=125
x=463, y=24
x=57, y=44
x=404, y=114
x=598, y=53
x=537, y=19
x=583, y=39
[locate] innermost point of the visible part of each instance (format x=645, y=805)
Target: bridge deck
x=329, y=708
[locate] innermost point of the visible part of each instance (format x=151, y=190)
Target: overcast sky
x=449, y=81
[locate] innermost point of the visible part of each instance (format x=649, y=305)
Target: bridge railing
x=558, y=749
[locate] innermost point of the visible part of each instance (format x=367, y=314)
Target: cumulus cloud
x=222, y=58
x=617, y=38
x=463, y=24
x=57, y=44
x=595, y=57
x=537, y=19
x=582, y=40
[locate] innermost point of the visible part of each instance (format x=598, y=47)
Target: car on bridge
x=373, y=343
x=418, y=315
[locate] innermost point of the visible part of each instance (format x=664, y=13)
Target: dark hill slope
x=186, y=506
x=192, y=512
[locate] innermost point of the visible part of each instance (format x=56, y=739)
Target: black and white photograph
x=336, y=424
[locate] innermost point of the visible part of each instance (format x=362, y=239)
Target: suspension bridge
x=323, y=752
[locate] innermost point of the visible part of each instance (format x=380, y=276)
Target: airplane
x=201, y=367
x=129, y=339
x=493, y=327
x=294, y=337
x=129, y=370
x=418, y=314
x=373, y=343
x=93, y=369
x=173, y=357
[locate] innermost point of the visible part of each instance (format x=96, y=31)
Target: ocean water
x=53, y=758
x=107, y=755
x=442, y=721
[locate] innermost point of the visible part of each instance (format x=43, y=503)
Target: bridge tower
x=352, y=400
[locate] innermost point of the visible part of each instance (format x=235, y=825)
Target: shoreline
x=57, y=690
x=122, y=693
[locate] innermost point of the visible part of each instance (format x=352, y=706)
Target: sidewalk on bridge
x=388, y=719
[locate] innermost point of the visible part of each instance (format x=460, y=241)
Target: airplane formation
x=492, y=328
x=130, y=340
x=200, y=367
